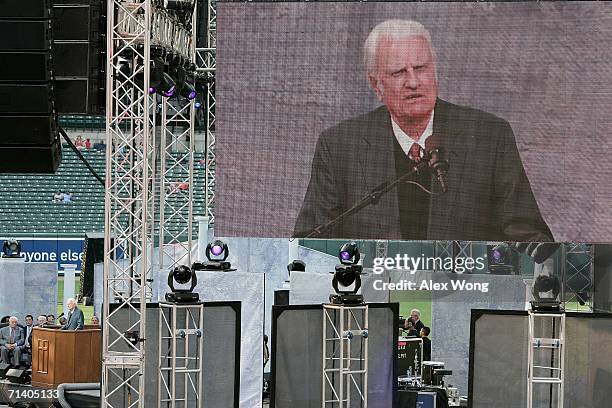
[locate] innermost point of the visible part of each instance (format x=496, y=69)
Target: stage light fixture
x=182, y=274
x=349, y=254
x=188, y=91
x=183, y=87
x=296, y=266
x=546, y=288
x=346, y=274
x=139, y=80
x=167, y=86
x=216, y=253
x=500, y=259
x=11, y=248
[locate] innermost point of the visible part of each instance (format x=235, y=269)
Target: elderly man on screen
x=76, y=320
x=489, y=196
x=10, y=337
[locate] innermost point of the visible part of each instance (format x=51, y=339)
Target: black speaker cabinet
x=18, y=376
x=30, y=140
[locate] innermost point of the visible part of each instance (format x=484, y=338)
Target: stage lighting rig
x=346, y=274
x=296, y=266
x=501, y=260
x=11, y=248
x=182, y=274
x=188, y=91
x=546, y=289
x=216, y=253
x=182, y=77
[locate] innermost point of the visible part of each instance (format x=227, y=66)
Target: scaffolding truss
x=382, y=247
x=546, y=357
x=206, y=66
x=578, y=276
x=177, y=183
x=134, y=27
x=177, y=169
x=453, y=249
x=345, y=356
x=180, y=355
x=128, y=206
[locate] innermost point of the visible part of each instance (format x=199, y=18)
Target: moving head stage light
x=216, y=253
x=546, y=289
x=347, y=273
x=296, y=266
x=11, y=249
x=182, y=274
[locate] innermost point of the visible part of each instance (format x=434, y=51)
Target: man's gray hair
x=416, y=311
x=13, y=318
x=71, y=300
x=394, y=29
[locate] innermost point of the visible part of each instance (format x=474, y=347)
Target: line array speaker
x=79, y=56
x=30, y=140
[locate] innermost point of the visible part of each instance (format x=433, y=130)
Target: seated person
x=10, y=337
x=426, y=343
x=50, y=320
x=95, y=320
x=25, y=345
x=78, y=142
x=42, y=321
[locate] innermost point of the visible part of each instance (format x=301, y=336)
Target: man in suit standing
x=415, y=315
x=489, y=196
x=424, y=333
x=10, y=337
x=76, y=320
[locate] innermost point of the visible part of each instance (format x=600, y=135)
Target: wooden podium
x=65, y=356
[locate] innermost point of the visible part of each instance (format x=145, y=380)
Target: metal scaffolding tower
x=180, y=355
x=128, y=209
x=453, y=249
x=577, y=272
x=177, y=169
x=206, y=67
x=546, y=358
x=134, y=27
x=345, y=356
x=382, y=247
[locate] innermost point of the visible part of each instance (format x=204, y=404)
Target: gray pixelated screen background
x=288, y=71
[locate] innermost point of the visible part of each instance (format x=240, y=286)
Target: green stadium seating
x=27, y=199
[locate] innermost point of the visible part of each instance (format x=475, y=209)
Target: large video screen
x=417, y=120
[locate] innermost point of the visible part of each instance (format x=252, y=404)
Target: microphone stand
x=430, y=161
